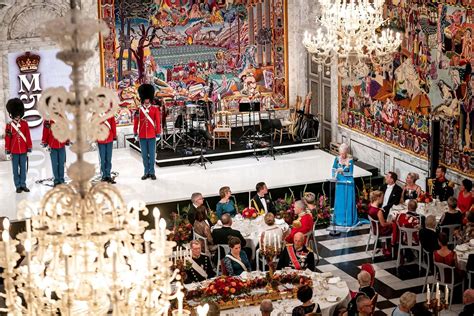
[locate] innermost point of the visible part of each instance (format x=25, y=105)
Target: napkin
x=244, y=275
x=334, y=280
x=326, y=274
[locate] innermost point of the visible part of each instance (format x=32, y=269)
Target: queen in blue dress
x=345, y=213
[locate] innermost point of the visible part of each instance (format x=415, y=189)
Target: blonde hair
x=223, y=191
x=408, y=300
x=375, y=195
x=414, y=176
x=269, y=219
x=343, y=148
x=364, y=278
x=430, y=221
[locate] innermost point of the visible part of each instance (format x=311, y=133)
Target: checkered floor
x=344, y=254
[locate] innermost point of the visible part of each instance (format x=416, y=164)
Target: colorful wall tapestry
x=431, y=78
x=190, y=49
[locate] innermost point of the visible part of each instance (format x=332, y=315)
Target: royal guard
x=146, y=128
x=57, y=151
x=18, y=143
x=105, y=150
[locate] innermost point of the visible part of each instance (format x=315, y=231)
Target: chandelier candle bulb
x=438, y=294
x=428, y=294
x=446, y=294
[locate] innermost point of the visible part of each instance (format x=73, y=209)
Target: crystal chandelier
x=83, y=244
x=352, y=37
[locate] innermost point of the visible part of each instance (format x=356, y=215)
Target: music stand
x=201, y=160
x=269, y=125
x=250, y=107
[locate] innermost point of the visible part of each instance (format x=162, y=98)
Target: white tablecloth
x=338, y=290
x=251, y=229
x=462, y=252
x=435, y=208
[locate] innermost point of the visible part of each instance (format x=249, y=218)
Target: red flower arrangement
x=424, y=197
x=226, y=286
x=249, y=212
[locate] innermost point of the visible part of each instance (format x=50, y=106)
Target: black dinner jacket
x=429, y=240
x=192, y=214
x=221, y=236
x=258, y=202
x=394, y=198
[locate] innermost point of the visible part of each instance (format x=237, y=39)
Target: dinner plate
x=334, y=280
x=332, y=298
x=462, y=247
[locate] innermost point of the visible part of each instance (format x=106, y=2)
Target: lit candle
x=428, y=295
x=156, y=215
x=202, y=310
x=446, y=294
x=163, y=231
x=180, y=296
x=438, y=293
x=264, y=241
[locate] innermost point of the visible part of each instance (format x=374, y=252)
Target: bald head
x=226, y=220
x=468, y=297
x=298, y=240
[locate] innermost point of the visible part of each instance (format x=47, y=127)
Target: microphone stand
x=333, y=232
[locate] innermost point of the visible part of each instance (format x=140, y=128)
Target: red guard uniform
x=146, y=123
x=17, y=138
x=112, y=127
x=48, y=137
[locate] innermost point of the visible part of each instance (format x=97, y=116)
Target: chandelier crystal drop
x=352, y=35
x=83, y=246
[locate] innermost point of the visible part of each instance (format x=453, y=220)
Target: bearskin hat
x=15, y=107
x=146, y=91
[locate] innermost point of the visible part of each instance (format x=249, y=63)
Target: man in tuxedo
x=429, y=237
x=297, y=256
x=221, y=235
x=261, y=201
x=201, y=268
x=196, y=201
x=441, y=188
x=392, y=192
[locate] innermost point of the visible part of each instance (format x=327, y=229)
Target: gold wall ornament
x=83, y=244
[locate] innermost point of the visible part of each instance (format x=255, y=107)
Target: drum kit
x=186, y=124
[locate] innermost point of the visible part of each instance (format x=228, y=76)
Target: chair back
x=410, y=241
x=309, y=240
x=223, y=268
x=450, y=231
x=222, y=119
x=202, y=239
x=426, y=258
x=373, y=301
x=374, y=227
x=444, y=273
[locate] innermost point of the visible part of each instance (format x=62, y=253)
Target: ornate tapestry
x=193, y=49
x=431, y=78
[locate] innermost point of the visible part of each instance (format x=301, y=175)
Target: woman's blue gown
x=344, y=206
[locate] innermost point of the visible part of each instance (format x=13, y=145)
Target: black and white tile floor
x=344, y=254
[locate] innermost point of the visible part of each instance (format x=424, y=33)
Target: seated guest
x=266, y=307
x=197, y=200
x=466, y=196
x=468, y=301
x=392, y=192
x=262, y=201
x=364, y=306
x=305, y=295
x=447, y=256
x=236, y=261
x=225, y=205
x=453, y=216
x=297, y=256
x=303, y=224
x=410, y=219
x=428, y=235
x=467, y=233
x=202, y=227
x=201, y=268
x=309, y=199
x=441, y=186
x=407, y=301
x=365, y=288
x=271, y=229
x=221, y=235
x=376, y=213
x=411, y=190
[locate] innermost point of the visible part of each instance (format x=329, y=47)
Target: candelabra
x=83, y=244
x=352, y=37
x=436, y=305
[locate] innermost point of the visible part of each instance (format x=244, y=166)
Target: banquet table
x=462, y=252
x=251, y=229
x=335, y=295
x=434, y=208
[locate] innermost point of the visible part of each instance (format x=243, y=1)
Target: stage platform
x=169, y=157
x=176, y=183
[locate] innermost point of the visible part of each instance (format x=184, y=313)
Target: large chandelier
x=87, y=252
x=352, y=37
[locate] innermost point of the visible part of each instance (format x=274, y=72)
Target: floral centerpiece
x=322, y=212
x=424, y=197
x=363, y=200
x=225, y=289
x=249, y=212
x=181, y=232
x=285, y=208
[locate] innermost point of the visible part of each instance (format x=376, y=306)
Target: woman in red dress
x=447, y=256
x=376, y=213
x=466, y=196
